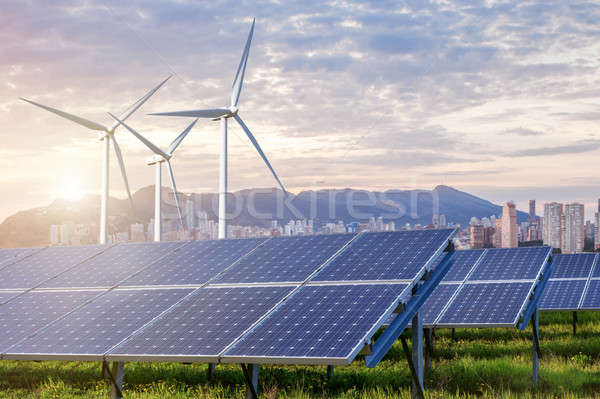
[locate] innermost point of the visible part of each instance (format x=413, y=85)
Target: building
x=573, y=229
x=476, y=233
x=497, y=238
x=510, y=230
x=552, y=230
x=54, y=234
x=532, y=215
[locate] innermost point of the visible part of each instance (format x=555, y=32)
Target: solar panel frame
x=13, y=354
x=315, y=360
x=115, y=355
x=553, y=290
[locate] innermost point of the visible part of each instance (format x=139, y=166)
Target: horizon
x=409, y=99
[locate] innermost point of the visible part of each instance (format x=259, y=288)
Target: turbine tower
x=157, y=159
x=106, y=135
x=222, y=114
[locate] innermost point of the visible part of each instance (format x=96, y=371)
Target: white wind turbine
x=223, y=114
x=107, y=134
x=157, y=159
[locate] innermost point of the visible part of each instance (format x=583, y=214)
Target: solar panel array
x=313, y=299
x=574, y=284
x=486, y=287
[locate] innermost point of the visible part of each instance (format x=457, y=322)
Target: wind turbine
x=106, y=135
x=222, y=114
x=157, y=159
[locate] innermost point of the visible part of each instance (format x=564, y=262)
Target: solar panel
x=511, y=263
x=91, y=330
x=572, y=265
x=195, y=263
x=285, y=259
x=10, y=255
x=398, y=255
x=5, y=296
x=33, y=310
x=562, y=294
x=327, y=322
x=203, y=325
x=30, y=271
x=591, y=300
x=113, y=265
x=486, y=304
x=462, y=263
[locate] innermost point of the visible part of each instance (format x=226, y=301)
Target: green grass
x=492, y=363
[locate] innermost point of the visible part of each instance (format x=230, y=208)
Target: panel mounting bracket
x=393, y=332
x=533, y=302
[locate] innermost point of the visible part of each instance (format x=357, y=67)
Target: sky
x=496, y=98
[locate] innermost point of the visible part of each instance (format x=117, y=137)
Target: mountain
x=256, y=207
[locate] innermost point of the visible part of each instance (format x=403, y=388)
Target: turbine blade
x=122, y=167
x=81, y=121
x=144, y=140
x=260, y=151
x=236, y=88
x=180, y=138
x=139, y=103
x=175, y=192
x=197, y=113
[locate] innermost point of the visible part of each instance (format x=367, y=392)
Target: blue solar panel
x=10, y=255
x=285, y=259
x=397, y=255
x=33, y=310
x=99, y=325
x=195, y=263
x=434, y=305
x=39, y=267
x=572, y=265
x=113, y=265
x=511, y=263
x=562, y=294
x=486, y=304
x=591, y=300
x=319, y=322
x=204, y=324
x=462, y=263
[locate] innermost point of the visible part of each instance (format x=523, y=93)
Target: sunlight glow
x=71, y=189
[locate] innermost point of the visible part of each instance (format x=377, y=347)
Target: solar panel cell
x=33, y=310
x=562, y=294
x=486, y=304
x=113, y=265
x=319, y=322
x=511, y=263
x=397, y=255
x=204, y=324
x=94, y=328
x=195, y=263
x=572, y=265
x=462, y=263
x=285, y=259
x=591, y=299
x=45, y=264
x=9, y=255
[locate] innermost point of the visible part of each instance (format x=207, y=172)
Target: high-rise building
x=443, y=223
x=497, y=239
x=476, y=233
x=54, y=234
x=573, y=228
x=552, y=224
x=532, y=215
x=597, y=229
x=510, y=230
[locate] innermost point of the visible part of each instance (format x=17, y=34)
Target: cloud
x=576, y=148
x=521, y=131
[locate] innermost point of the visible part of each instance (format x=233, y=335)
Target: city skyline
x=421, y=95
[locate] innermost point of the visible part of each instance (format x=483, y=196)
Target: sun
x=71, y=189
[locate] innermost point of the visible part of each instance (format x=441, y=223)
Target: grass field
x=477, y=363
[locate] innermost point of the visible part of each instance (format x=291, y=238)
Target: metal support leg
x=210, y=372
x=417, y=355
x=116, y=379
x=574, y=323
x=428, y=348
x=453, y=336
x=251, y=377
x=329, y=372
x=536, y=347
x=105, y=369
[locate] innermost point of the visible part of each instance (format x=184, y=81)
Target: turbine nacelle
x=155, y=158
